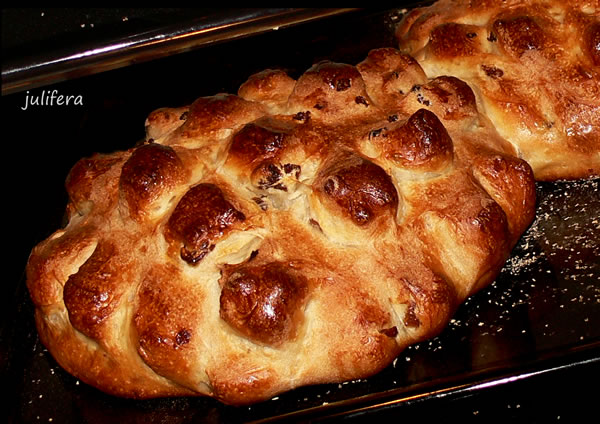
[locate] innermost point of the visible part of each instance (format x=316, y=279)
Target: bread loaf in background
x=534, y=66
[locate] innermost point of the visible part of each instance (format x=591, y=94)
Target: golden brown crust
x=301, y=232
x=151, y=171
x=534, y=65
x=264, y=303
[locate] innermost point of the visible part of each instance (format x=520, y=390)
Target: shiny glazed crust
x=299, y=232
x=534, y=66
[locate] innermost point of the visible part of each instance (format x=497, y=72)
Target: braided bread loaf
x=300, y=232
x=534, y=66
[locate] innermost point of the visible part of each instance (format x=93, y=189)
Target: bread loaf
x=534, y=66
x=298, y=232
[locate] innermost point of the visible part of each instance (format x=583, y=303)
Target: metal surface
x=84, y=57
x=518, y=350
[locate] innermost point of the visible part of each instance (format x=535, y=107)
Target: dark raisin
x=361, y=100
x=302, y=116
x=492, y=71
x=288, y=168
x=183, y=337
x=423, y=100
x=342, y=84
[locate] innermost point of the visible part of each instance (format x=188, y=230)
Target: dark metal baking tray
x=524, y=349
x=45, y=46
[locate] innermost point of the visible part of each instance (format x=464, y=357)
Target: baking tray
x=523, y=349
x=47, y=45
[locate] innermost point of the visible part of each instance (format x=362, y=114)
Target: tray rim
x=64, y=63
